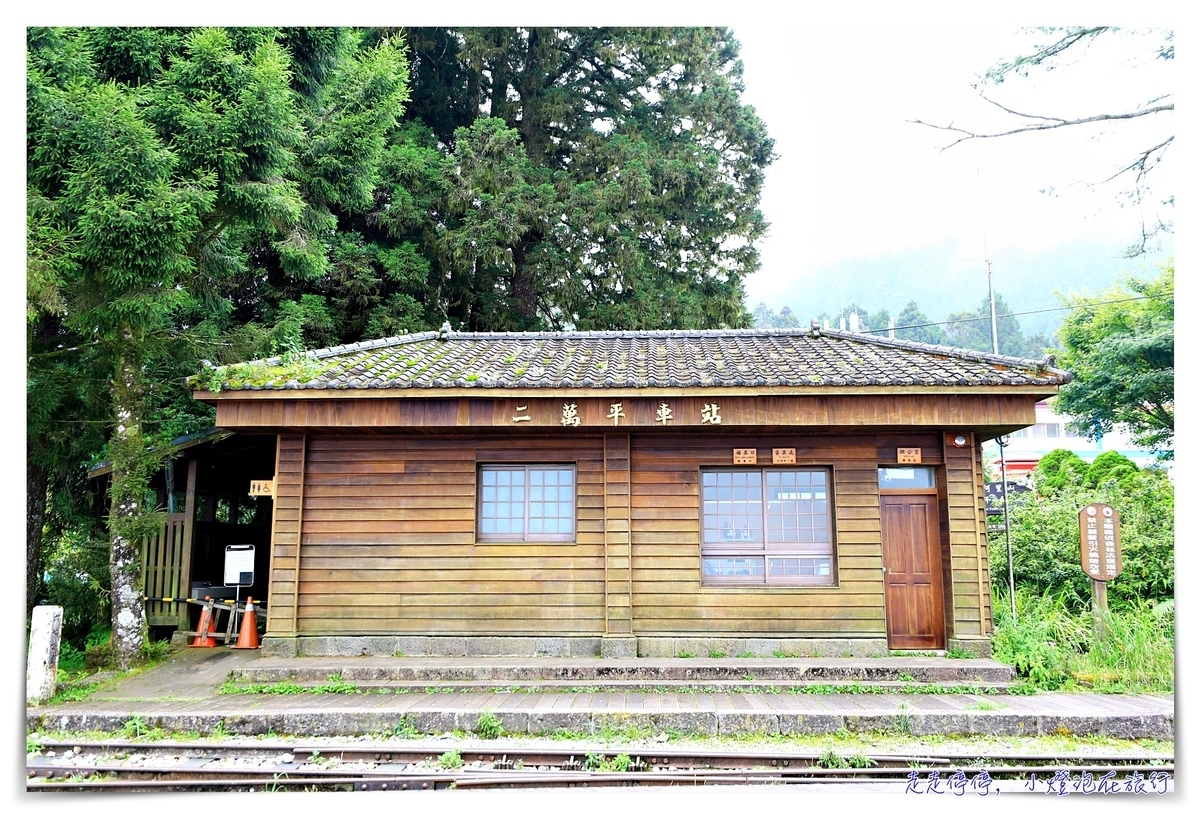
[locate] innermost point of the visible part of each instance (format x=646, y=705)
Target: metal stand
x=237, y=597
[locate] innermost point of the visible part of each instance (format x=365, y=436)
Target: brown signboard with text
x=1100, y=541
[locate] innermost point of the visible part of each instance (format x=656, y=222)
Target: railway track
x=176, y=766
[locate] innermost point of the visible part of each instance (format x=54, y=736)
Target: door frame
x=933, y=527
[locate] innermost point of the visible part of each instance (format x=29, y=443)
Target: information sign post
x=1100, y=553
x=239, y=572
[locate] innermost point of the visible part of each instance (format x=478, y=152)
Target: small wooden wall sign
x=908, y=455
x=262, y=488
x=783, y=456
x=746, y=457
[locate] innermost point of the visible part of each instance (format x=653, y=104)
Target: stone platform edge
x=625, y=647
x=521, y=721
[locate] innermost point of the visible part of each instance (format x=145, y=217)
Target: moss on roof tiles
x=558, y=360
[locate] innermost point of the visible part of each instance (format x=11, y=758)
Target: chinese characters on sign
x=570, y=414
x=711, y=413
x=745, y=456
x=519, y=418
x=1100, y=541
x=664, y=414
x=904, y=455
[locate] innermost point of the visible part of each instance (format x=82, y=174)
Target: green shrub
x=78, y=572
x=1045, y=540
x=1108, y=466
x=1059, y=469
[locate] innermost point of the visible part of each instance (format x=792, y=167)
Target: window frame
x=766, y=549
x=526, y=536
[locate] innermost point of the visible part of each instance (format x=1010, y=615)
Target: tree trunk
x=128, y=491
x=36, y=484
x=524, y=287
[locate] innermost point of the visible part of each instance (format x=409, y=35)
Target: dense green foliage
x=1044, y=529
x=1054, y=646
x=1122, y=354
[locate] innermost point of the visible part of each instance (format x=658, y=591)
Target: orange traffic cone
x=204, y=633
x=248, y=635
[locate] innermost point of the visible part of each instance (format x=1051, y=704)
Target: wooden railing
x=163, y=559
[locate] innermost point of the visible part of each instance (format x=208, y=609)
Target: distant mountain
x=942, y=283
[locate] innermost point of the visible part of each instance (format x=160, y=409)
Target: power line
x=1008, y=314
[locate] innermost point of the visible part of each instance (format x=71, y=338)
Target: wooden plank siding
x=389, y=547
x=618, y=603
x=376, y=534
x=985, y=575
x=963, y=494
x=285, y=528
x=668, y=597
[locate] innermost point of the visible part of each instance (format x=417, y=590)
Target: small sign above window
x=908, y=455
x=779, y=456
x=745, y=457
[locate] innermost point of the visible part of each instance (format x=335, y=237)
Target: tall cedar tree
x=602, y=178
x=171, y=174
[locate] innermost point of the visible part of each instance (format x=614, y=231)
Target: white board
x=239, y=562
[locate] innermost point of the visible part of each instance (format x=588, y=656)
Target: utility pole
x=1012, y=593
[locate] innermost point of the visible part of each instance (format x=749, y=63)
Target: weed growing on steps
x=488, y=726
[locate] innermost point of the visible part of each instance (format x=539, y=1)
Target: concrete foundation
x=608, y=647
x=980, y=648
x=666, y=647
x=555, y=646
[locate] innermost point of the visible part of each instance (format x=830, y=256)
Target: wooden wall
x=387, y=539
x=379, y=531
x=968, y=534
x=667, y=595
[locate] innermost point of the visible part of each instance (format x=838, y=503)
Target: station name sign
x=1100, y=541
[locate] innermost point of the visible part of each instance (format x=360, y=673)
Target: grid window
x=523, y=503
x=766, y=527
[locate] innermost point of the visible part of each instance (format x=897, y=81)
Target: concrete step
x=656, y=686
x=443, y=671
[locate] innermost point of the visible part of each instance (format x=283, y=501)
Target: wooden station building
x=629, y=493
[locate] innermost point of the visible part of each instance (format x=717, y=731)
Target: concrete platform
x=586, y=670
x=183, y=695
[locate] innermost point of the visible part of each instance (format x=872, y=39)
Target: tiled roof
x=637, y=359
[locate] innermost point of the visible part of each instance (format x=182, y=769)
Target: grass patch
x=334, y=685
x=451, y=759
x=1056, y=648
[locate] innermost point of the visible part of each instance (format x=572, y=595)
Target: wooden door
x=913, y=571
